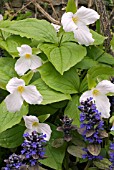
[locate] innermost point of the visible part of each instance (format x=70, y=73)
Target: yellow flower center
x=96, y=92
x=27, y=56
x=35, y=124
x=20, y=89
x=75, y=19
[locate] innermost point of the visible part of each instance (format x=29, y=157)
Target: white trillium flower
x=1, y=17
x=78, y=24
x=19, y=92
x=56, y=27
x=32, y=124
x=99, y=96
x=27, y=60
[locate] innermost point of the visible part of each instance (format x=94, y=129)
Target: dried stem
x=46, y=14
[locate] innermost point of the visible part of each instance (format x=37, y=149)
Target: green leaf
x=97, y=72
x=6, y=71
x=76, y=151
x=86, y=63
x=13, y=137
x=84, y=85
x=49, y=95
x=72, y=110
x=100, y=55
x=8, y=119
x=71, y=6
x=11, y=44
x=65, y=56
x=99, y=39
x=102, y=164
x=27, y=77
x=55, y=156
x=40, y=30
x=56, y=81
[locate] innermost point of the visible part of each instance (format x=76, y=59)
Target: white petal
x=103, y=105
x=14, y=102
x=31, y=95
x=22, y=65
x=24, y=49
x=35, y=62
x=56, y=27
x=67, y=22
x=86, y=15
x=105, y=87
x=29, y=120
x=112, y=128
x=83, y=35
x=45, y=129
x=14, y=83
x=1, y=17
x=86, y=95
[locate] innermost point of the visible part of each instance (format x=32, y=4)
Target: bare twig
x=22, y=8
x=46, y=14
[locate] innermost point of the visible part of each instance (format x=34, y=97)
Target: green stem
x=88, y=165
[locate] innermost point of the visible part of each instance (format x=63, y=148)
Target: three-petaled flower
x=32, y=124
x=27, y=60
x=99, y=96
x=78, y=24
x=19, y=92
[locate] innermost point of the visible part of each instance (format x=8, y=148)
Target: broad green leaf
x=6, y=71
x=56, y=81
x=76, y=151
x=102, y=164
x=54, y=155
x=71, y=6
x=84, y=84
x=96, y=72
x=65, y=56
x=72, y=110
x=86, y=63
x=8, y=119
x=27, y=77
x=49, y=95
x=100, y=55
x=40, y=30
x=13, y=42
x=67, y=36
x=99, y=39
x=12, y=137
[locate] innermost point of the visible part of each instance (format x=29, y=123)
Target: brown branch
x=22, y=8
x=46, y=14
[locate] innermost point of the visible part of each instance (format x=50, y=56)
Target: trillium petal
x=45, y=129
x=35, y=62
x=14, y=102
x=1, y=17
x=86, y=15
x=56, y=27
x=31, y=95
x=105, y=87
x=22, y=65
x=103, y=105
x=67, y=22
x=83, y=35
x=24, y=49
x=14, y=83
x=29, y=120
x=86, y=95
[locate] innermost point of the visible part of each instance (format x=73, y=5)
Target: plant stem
x=88, y=165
